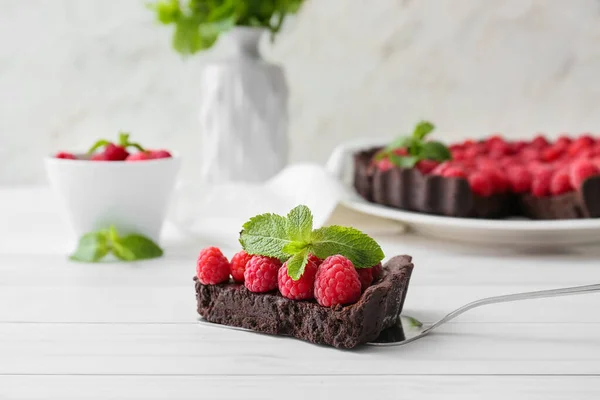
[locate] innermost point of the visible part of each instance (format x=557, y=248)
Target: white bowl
x=132, y=196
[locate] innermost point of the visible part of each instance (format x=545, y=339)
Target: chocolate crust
x=346, y=327
x=408, y=189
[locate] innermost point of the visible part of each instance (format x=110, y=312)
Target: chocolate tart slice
x=408, y=189
x=378, y=308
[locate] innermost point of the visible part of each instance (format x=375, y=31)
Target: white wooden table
x=128, y=331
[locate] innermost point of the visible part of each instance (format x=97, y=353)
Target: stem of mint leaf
x=94, y=246
x=292, y=238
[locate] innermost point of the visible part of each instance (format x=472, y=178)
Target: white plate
x=501, y=232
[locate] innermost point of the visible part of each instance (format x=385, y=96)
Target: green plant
x=198, y=23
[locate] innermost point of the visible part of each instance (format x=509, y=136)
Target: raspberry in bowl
x=112, y=185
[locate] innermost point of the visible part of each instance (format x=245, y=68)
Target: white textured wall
x=73, y=70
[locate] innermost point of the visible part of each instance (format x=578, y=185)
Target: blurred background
x=72, y=71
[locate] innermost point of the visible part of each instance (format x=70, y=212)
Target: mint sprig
x=292, y=238
x=122, y=142
x=94, y=246
x=417, y=148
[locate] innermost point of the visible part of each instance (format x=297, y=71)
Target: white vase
x=243, y=112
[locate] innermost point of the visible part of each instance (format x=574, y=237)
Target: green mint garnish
x=123, y=142
x=94, y=246
x=292, y=238
x=416, y=146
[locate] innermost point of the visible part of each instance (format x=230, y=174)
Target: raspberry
x=519, y=179
x=458, y=154
x=140, y=156
x=99, y=157
x=113, y=152
x=385, y=164
x=454, y=172
x=315, y=259
x=156, y=154
x=439, y=170
x=552, y=153
x=563, y=141
x=539, y=142
x=261, y=274
x=455, y=147
x=540, y=185
x=495, y=140
x=238, y=265
x=529, y=154
x=365, y=275
x=480, y=184
x=497, y=178
x=560, y=182
x=580, y=171
x=401, y=151
x=581, y=143
x=212, y=266
x=303, y=288
x=426, y=166
x=377, y=271
x=65, y=156
x=518, y=146
x=474, y=151
x=337, y=282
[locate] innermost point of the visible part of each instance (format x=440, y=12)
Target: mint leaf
x=266, y=234
x=136, y=247
x=435, y=151
x=296, y=264
x=300, y=223
x=423, y=129
x=122, y=252
x=411, y=322
x=92, y=247
x=294, y=247
x=358, y=247
x=403, y=161
x=400, y=142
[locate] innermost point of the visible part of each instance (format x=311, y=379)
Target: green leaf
x=136, y=247
x=299, y=223
x=403, y=161
x=122, y=252
x=198, y=23
x=296, y=264
x=294, y=247
x=412, y=322
x=266, y=234
x=97, y=145
x=435, y=151
x=92, y=247
x=422, y=129
x=400, y=142
x=358, y=247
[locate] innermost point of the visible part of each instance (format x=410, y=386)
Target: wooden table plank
x=250, y=387
x=168, y=349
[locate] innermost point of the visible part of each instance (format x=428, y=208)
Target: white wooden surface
x=128, y=331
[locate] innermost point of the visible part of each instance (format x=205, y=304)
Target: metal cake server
x=406, y=330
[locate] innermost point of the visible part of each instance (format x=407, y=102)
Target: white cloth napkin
x=217, y=213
